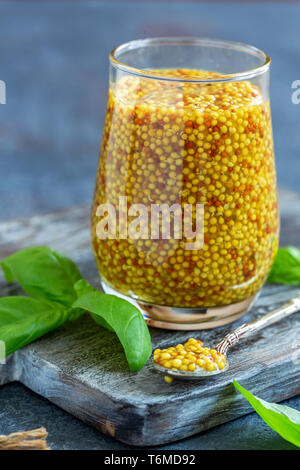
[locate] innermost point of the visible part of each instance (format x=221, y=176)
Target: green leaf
x=125, y=319
x=282, y=419
x=43, y=273
x=22, y=320
x=286, y=267
x=83, y=287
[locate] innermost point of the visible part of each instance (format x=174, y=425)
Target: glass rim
x=238, y=76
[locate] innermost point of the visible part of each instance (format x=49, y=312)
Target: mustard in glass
x=188, y=122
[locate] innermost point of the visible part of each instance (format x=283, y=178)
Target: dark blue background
x=54, y=59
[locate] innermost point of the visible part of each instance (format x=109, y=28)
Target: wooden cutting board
x=81, y=367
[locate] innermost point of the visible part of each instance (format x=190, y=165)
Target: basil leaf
x=43, y=273
x=125, y=319
x=286, y=267
x=22, y=320
x=83, y=287
x=282, y=419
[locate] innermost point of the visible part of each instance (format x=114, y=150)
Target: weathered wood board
x=81, y=367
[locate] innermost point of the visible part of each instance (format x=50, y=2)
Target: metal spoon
x=232, y=338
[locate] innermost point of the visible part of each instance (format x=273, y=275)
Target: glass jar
x=187, y=123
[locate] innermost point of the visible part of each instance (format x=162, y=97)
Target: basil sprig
x=23, y=319
x=286, y=267
x=124, y=318
x=43, y=273
x=59, y=293
x=282, y=419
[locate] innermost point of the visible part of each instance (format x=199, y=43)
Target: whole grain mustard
x=183, y=142
x=191, y=357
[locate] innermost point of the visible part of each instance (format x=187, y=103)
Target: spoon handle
x=248, y=329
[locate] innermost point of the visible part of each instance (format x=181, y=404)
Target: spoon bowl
x=189, y=375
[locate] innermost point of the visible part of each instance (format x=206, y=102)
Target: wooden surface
x=81, y=367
